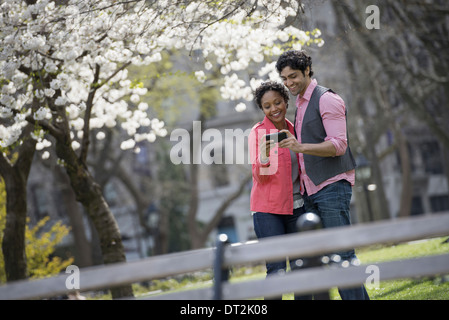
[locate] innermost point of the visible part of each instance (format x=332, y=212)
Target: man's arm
x=323, y=149
x=332, y=110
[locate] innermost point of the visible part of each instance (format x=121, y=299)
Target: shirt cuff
x=340, y=146
x=264, y=162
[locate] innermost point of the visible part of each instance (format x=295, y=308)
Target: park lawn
x=436, y=288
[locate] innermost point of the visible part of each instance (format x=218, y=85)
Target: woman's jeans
x=331, y=204
x=269, y=225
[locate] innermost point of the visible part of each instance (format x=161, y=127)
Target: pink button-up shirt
x=332, y=110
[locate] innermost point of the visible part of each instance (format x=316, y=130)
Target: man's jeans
x=331, y=204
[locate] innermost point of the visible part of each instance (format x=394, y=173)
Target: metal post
x=221, y=274
x=307, y=222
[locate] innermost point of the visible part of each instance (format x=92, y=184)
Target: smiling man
x=327, y=166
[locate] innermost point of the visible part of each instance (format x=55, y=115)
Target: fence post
x=307, y=222
x=221, y=274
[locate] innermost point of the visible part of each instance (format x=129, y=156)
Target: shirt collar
x=308, y=94
x=270, y=125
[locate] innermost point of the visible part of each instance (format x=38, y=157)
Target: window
x=431, y=155
x=439, y=203
x=417, y=207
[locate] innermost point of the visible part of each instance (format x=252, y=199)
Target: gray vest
x=320, y=169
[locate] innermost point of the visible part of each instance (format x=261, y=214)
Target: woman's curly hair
x=295, y=59
x=270, y=86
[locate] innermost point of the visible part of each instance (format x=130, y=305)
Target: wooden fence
x=303, y=244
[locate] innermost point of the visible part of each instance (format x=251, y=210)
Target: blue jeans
x=331, y=204
x=269, y=225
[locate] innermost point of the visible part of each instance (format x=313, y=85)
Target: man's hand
x=291, y=143
x=323, y=149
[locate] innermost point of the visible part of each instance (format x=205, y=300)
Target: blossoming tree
x=63, y=78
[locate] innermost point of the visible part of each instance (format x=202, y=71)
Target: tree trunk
x=89, y=194
x=13, y=244
x=218, y=215
x=415, y=102
x=15, y=176
x=192, y=223
x=83, y=249
x=407, y=186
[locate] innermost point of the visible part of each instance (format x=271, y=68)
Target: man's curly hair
x=295, y=59
x=270, y=86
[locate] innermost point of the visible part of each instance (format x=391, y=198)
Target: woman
x=276, y=202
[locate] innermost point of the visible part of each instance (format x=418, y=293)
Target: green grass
x=436, y=288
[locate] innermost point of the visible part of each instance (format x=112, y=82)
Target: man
x=327, y=165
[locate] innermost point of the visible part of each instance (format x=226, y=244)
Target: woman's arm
x=259, y=155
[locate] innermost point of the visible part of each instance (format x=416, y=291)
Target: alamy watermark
x=189, y=149
x=73, y=280
x=373, y=20
x=212, y=146
x=373, y=280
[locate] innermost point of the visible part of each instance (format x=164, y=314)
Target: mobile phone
x=277, y=137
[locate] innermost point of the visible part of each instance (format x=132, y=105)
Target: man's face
x=295, y=80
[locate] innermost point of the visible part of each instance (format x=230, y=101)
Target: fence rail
x=304, y=244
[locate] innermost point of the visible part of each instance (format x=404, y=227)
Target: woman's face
x=275, y=108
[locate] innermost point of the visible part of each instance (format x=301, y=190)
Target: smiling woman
x=276, y=202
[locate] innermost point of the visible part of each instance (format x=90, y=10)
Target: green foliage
x=173, y=91
x=40, y=246
x=39, y=249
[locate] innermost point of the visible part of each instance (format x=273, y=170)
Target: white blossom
x=75, y=145
x=64, y=42
x=40, y=114
x=143, y=106
x=200, y=76
x=5, y=112
x=60, y=101
x=135, y=98
x=49, y=92
x=151, y=137
x=100, y=135
x=128, y=144
x=208, y=65
x=240, y=107
x=42, y=144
